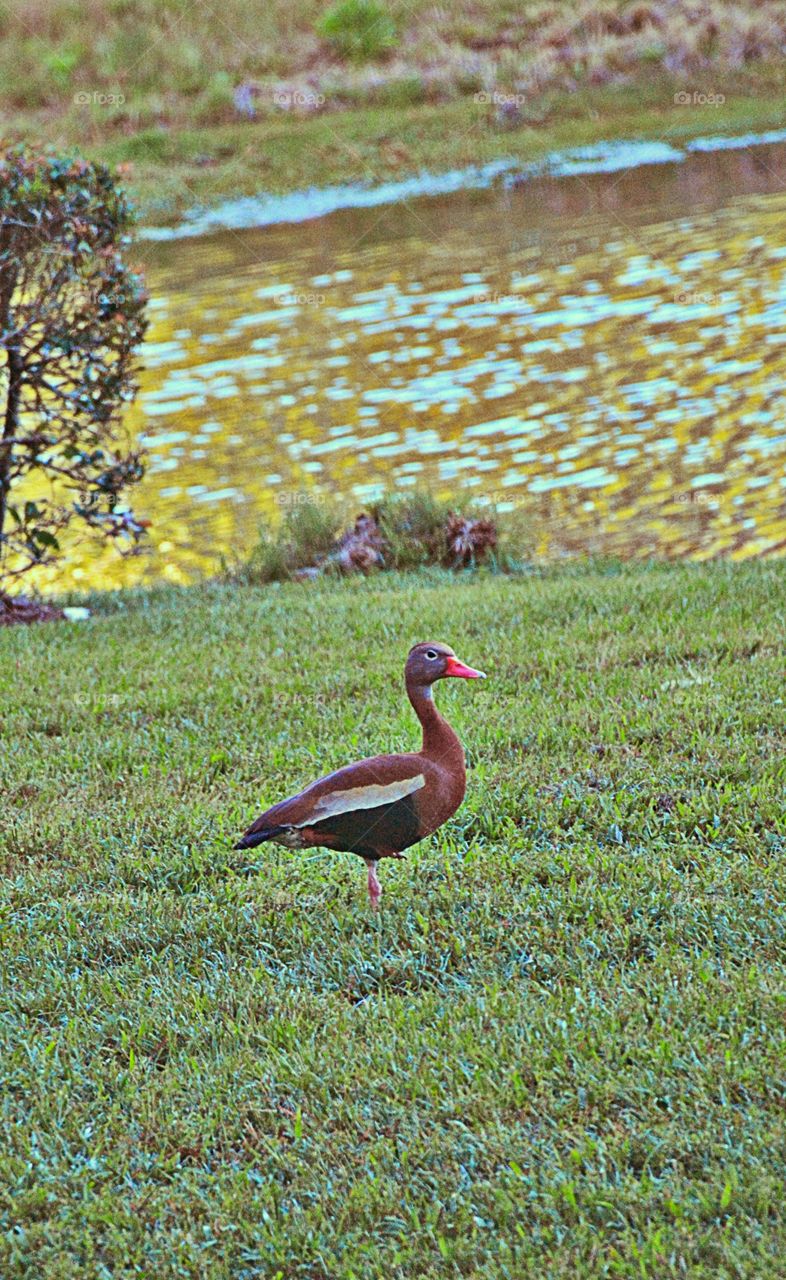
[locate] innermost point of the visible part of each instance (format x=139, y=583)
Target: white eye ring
x=432, y=654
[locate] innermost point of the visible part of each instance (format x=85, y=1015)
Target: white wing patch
x=368, y=797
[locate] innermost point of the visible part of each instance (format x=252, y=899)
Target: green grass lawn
x=558, y=1051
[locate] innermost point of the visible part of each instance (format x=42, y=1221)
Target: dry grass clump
x=598, y=43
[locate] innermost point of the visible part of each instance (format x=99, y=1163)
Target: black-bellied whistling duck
x=380, y=806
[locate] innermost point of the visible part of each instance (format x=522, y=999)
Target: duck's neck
x=440, y=743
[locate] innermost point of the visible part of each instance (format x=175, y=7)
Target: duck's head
x=432, y=661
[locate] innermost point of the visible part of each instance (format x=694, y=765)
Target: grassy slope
x=559, y=1049
x=159, y=82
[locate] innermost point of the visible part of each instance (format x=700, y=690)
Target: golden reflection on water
x=565, y=348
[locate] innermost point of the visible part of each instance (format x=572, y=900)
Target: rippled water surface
x=605, y=353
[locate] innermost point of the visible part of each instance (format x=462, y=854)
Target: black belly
x=386, y=828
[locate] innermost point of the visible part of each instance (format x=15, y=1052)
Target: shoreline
x=605, y=156
x=179, y=175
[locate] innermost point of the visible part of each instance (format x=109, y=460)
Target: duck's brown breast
x=441, y=796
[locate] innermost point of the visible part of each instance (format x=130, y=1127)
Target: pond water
x=603, y=353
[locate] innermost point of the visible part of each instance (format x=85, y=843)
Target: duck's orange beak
x=455, y=668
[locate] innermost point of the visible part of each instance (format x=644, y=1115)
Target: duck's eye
x=432, y=654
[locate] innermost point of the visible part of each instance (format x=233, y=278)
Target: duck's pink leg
x=374, y=887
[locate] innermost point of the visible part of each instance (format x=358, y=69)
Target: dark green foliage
x=71, y=318
x=558, y=1052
